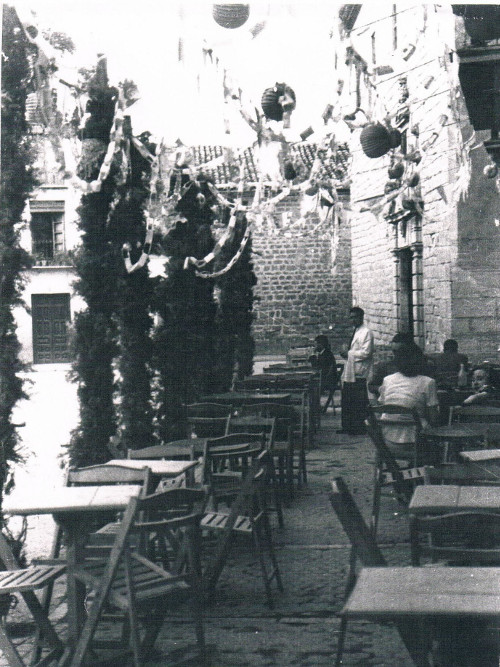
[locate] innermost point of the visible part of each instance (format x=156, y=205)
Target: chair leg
x=377, y=489
x=8, y=648
x=340, y=645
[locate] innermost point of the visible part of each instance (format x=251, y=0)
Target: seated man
x=449, y=364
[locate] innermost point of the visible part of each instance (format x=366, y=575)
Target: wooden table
x=410, y=591
x=478, y=455
x=241, y=397
x=444, y=498
x=455, y=437
x=418, y=599
x=74, y=507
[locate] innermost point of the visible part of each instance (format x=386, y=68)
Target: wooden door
x=51, y=317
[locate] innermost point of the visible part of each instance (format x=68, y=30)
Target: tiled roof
x=303, y=153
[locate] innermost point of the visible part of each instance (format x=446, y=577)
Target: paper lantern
x=231, y=15
x=277, y=100
x=375, y=140
x=396, y=170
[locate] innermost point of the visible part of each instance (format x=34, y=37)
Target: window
x=405, y=289
x=47, y=228
x=51, y=318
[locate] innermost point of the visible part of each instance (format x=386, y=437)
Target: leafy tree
x=17, y=180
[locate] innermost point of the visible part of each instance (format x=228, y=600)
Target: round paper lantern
x=231, y=15
x=277, y=100
x=375, y=140
x=396, y=170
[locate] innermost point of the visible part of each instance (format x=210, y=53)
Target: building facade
x=424, y=216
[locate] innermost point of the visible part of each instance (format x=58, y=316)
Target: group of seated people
x=410, y=380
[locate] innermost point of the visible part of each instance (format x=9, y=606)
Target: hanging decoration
x=377, y=139
x=231, y=16
x=278, y=103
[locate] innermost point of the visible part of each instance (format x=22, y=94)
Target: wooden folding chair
x=286, y=434
x=25, y=581
x=247, y=515
x=261, y=430
x=225, y=462
x=91, y=476
x=388, y=472
x=131, y=583
x=207, y=420
x=365, y=548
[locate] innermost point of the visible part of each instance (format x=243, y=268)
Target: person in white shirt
x=409, y=387
x=357, y=371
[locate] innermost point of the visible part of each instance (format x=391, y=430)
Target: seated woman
x=483, y=390
x=324, y=361
x=409, y=388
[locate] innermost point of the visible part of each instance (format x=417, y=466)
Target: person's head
x=481, y=377
x=321, y=342
x=401, y=338
x=409, y=359
x=356, y=316
x=450, y=346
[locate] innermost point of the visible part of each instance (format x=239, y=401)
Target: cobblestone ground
x=313, y=553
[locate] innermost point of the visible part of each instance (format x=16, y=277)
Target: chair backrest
x=287, y=416
x=111, y=474
x=207, y=420
x=461, y=537
x=157, y=452
x=254, y=423
x=397, y=414
x=234, y=452
x=474, y=413
x=360, y=536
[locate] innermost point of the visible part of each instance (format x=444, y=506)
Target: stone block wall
x=460, y=225
x=304, y=284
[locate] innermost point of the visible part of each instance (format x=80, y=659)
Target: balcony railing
x=59, y=258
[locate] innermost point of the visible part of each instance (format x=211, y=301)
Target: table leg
x=76, y=538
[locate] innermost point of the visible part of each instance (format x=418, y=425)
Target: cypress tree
x=133, y=315
x=184, y=342
x=96, y=264
x=235, y=344
x=17, y=181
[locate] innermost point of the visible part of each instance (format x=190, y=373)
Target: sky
x=140, y=40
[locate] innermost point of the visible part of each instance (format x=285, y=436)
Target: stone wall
x=304, y=284
x=459, y=235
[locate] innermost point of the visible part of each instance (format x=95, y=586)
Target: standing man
x=357, y=370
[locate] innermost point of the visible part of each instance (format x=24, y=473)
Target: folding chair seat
x=388, y=472
x=365, y=548
x=131, y=583
x=26, y=581
x=247, y=516
x=207, y=420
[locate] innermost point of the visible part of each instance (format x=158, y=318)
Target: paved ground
x=313, y=553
